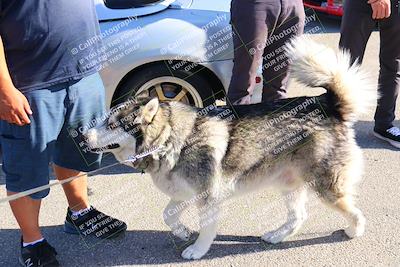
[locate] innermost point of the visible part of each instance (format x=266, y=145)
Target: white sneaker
x=391, y=135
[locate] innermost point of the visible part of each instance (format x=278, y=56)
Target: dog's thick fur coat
x=289, y=144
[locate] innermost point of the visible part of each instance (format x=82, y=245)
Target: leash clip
x=146, y=153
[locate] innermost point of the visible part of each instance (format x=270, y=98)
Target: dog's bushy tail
x=316, y=65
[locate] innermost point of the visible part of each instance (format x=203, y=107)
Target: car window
x=121, y=4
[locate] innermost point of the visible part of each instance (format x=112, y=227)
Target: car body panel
x=210, y=5
x=184, y=36
x=196, y=34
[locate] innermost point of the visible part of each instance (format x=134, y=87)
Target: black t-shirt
x=48, y=42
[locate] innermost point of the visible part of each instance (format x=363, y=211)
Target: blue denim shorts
x=60, y=114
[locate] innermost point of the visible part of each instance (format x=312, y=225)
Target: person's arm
x=380, y=8
x=14, y=107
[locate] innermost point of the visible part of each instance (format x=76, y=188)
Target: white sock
x=79, y=212
x=32, y=243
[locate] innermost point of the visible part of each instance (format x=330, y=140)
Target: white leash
x=68, y=180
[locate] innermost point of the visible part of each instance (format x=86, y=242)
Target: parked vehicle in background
x=168, y=49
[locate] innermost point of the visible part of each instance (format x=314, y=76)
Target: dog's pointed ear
x=150, y=110
x=137, y=120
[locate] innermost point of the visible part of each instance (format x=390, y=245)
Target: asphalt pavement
x=132, y=197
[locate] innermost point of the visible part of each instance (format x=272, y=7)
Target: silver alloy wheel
x=168, y=88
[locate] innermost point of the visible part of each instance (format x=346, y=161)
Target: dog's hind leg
x=337, y=191
x=297, y=214
x=208, y=214
x=345, y=205
x=353, y=215
x=172, y=213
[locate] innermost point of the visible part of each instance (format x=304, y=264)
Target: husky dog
x=297, y=145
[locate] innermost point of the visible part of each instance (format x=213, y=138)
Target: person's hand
x=14, y=107
x=380, y=8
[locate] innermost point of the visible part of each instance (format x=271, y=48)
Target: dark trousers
x=357, y=26
x=261, y=28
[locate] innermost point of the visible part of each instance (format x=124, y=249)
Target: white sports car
x=175, y=50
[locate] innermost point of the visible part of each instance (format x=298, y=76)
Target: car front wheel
x=159, y=81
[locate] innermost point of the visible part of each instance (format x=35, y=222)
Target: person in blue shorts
x=50, y=88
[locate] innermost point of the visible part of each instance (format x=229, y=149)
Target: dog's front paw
x=193, y=252
x=357, y=229
x=273, y=237
x=183, y=233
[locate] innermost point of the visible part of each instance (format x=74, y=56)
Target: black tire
x=132, y=83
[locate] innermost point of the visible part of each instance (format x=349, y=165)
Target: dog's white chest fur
x=174, y=186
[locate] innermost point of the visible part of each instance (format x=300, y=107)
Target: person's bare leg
x=75, y=191
x=26, y=212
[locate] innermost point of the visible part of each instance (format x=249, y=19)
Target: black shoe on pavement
x=391, y=135
x=94, y=223
x=38, y=255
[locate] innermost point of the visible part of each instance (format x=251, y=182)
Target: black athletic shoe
x=93, y=223
x=391, y=135
x=38, y=255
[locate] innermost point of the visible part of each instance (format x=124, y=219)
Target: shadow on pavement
x=143, y=247
x=366, y=139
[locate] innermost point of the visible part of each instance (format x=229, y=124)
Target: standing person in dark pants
x=261, y=28
x=359, y=20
